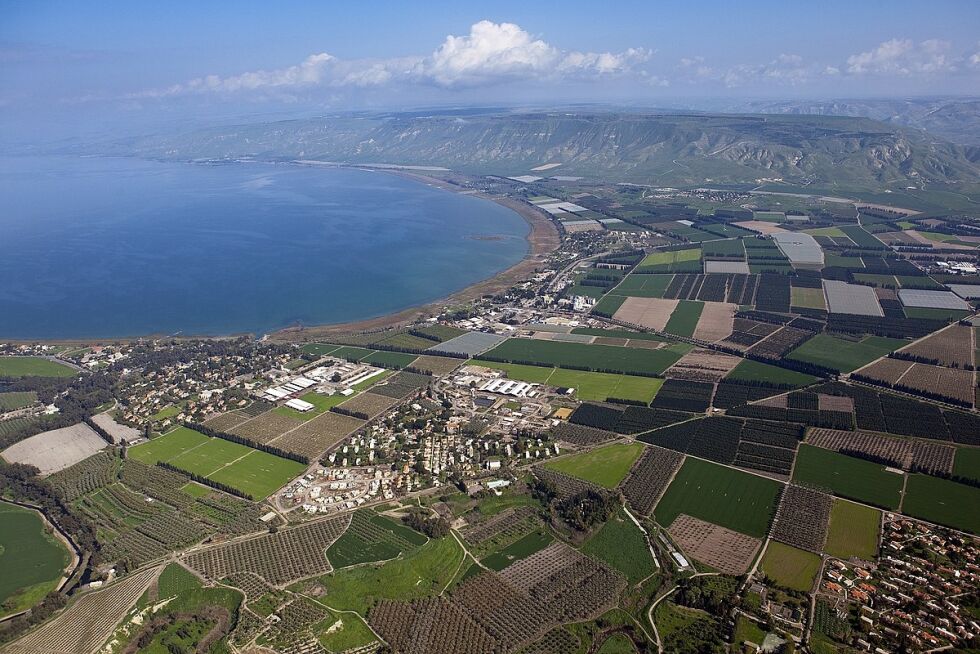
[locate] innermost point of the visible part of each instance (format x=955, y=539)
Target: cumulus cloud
x=903, y=57
x=490, y=53
x=786, y=68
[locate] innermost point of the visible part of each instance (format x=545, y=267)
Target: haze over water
x=124, y=247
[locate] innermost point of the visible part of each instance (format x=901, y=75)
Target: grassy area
x=320, y=404
x=609, y=304
x=367, y=540
x=421, y=573
x=684, y=320
x=675, y=256
x=588, y=385
x=825, y=231
x=748, y=370
x=724, y=496
x=808, y=298
x=944, y=502
x=166, y=412
x=622, y=545
x=848, y=476
x=853, y=531
x=31, y=560
x=643, y=285
x=33, y=367
x=934, y=314
x=16, y=400
x=520, y=549
x=842, y=354
x=251, y=471
x=790, y=567
x=617, y=644
x=342, y=632
x=176, y=579
x=746, y=630
x=599, y=357
x=605, y=466
x=320, y=349
x=967, y=463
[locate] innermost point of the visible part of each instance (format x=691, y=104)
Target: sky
x=77, y=69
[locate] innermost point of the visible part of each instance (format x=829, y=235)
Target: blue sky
x=156, y=61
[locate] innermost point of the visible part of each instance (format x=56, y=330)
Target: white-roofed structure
x=504, y=386
x=913, y=297
x=851, y=298
x=300, y=405
x=799, y=247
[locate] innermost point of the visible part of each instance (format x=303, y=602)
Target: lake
x=103, y=247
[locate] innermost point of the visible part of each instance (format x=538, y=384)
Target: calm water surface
x=118, y=247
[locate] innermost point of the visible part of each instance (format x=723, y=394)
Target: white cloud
x=490, y=53
x=786, y=68
x=903, y=57
x=495, y=51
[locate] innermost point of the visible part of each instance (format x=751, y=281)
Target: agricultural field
x=944, y=502
x=966, y=463
x=790, y=567
x=16, y=400
x=848, y=477
x=853, y=531
x=251, y=471
x=673, y=261
x=737, y=500
x=754, y=371
x=720, y=548
x=684, y=320
x=623, y=546
x=597, y=386
x=11, y=366
x=320, y=404
x=842, y=354
x=604, y=358
x=31, y=560
x=372, y=538
x=606, y=466
x=807, y=298
x=643, y=285
x=519, y=549
x=424, y=571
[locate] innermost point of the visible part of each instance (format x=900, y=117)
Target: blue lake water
x=94, y=247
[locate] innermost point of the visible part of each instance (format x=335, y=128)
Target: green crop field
x=928, y=313
x=320, y=404
x=860, y=237
x=825, y=231
x=643, y=285
x=853, y=531
x=726, y=497
x=33, y=367
x=684, y=320
x=944, y=502
x=622, y=545
x=848, y=477
x=520, y=549
x=597, y=386
x=605, y=466
x=609, y=304
x=842, y=354
x=877, y=279
x=420, y=573
x=251, y=471
x=17, y=400
x=176, y=579
x=808, y=298
x=835, y=260
x=391, y=359
x=598, y=357
x=320, y=349
x=967, y=463
x=748, y=370
x=31, y=561
x=790, y=567
x=371, y=538
x=675, y=256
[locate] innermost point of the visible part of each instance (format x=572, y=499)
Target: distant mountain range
x=665, y=149
x=954, y=119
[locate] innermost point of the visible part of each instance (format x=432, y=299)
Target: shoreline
x=542, y=240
